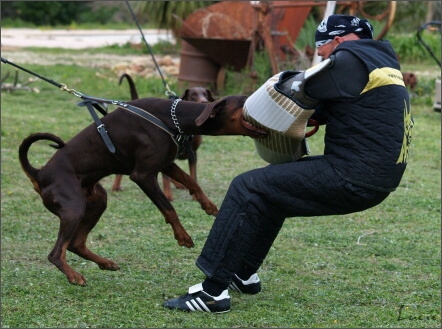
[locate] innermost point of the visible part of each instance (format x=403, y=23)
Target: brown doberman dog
x=410, y=80
x=69, y=182
x=193, y=94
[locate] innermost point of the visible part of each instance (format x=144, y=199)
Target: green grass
x=356, y=270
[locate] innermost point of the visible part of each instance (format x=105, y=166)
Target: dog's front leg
x=149, y=185
x=176, y=173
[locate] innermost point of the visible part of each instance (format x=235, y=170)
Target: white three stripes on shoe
x=197, y=304
x=234, y=286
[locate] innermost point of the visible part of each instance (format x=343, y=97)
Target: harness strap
x=147, y=116
x=102, y=130
x=100, y=126
x=182, y=141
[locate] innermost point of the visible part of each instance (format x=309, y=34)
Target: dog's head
x=410, y=80
x=198, y=94
x=225, y=117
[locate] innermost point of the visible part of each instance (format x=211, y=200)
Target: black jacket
x=365, y=106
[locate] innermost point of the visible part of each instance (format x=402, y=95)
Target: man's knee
x=239, y=187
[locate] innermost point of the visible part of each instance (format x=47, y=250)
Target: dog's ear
x=209, y=112
x=185, y=95
x=210, y=95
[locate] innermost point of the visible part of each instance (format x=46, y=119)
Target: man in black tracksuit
x=364, y=104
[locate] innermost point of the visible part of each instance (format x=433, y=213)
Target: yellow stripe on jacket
x=383, y=77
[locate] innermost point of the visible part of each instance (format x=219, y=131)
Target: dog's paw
x=185, y=242
x=76, y=278
x=208, y=206
x=109, y=265
x=183, y=238
x=211, y=209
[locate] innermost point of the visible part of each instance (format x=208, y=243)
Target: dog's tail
x=30, y=171
x=133, y=89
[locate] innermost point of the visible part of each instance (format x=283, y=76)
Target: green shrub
x=409, y=49
x=41, y=13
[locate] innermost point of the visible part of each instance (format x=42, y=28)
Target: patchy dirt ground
x=14, y=42
x=134, y=65
x=19, y=56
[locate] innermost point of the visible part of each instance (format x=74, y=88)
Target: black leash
x=90, y=102
x=183, y=140
x=169, y=93
x=58, y=85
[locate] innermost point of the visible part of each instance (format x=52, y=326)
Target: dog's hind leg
x=149, y=185
x=116, y=187
x=70, y=208
x=95, y=206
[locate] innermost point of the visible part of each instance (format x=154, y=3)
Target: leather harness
x=181, y=140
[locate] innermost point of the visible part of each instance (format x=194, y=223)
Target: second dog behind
x=193, y=94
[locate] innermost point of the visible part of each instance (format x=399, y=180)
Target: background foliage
x=409, y=14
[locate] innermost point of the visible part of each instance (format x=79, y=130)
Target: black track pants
x=257, y=203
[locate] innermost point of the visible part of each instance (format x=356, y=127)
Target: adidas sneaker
x=251, y=286
x=198, y=300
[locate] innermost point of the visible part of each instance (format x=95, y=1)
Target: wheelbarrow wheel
x=379, y=13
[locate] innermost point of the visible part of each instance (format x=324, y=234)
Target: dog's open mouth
x=258, y=132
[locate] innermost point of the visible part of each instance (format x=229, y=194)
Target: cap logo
x=323, y=26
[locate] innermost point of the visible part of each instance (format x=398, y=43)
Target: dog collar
x=173, y=115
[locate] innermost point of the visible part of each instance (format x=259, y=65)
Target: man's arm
x=346, y=78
